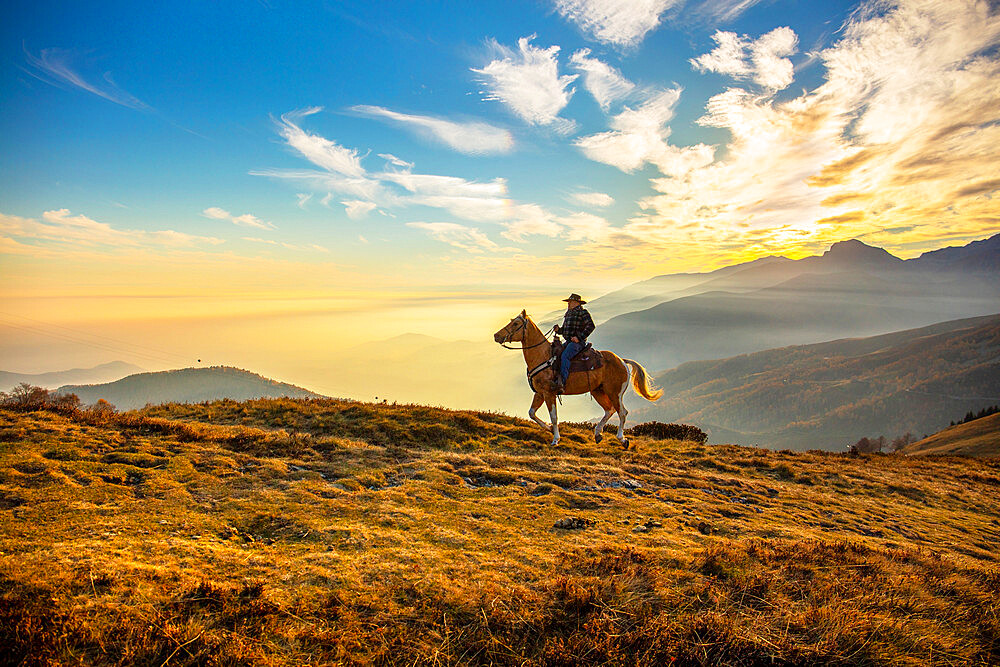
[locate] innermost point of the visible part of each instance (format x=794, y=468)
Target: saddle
x=587, y=359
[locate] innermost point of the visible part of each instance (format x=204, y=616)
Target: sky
x=264, y=183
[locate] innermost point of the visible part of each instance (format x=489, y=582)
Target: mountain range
x=185, y=385
x=104, y=373
x=828, y=395
x=851, y=290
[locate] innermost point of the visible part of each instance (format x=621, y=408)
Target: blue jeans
x=569, y=352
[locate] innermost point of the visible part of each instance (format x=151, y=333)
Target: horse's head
x=514, y=331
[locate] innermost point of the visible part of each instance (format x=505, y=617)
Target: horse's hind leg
x=605, y=402
x=618, y=403
x=536, y=402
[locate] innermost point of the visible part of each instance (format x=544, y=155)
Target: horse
x=606, y=384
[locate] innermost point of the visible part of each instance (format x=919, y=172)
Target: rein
x=524, y=325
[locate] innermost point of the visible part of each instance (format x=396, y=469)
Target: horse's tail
x=641, y=382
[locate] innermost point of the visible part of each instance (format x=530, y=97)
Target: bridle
x=523, y=325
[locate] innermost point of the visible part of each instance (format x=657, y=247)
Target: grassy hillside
x=980, y=437
x=186, y=385
x=830, y=394
x=289, y=532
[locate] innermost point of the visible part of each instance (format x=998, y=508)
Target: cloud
x=395, y=161
x=639, y=137
x=287, y=246
x=460, y=236
x=60, y=230
x=56, y=67
x=303, y=199
x=318, y=150
x=593, y=199
x=604, y=82
x=358, y=209
x=722, y=11
x=528, y=81
x=471, y=138
x=897, y=144
x=246, y=220
x=763, y=61
x=618, y=22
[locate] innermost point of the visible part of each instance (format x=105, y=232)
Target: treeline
x=28, y=398
x=872, y=445
x=972, y=416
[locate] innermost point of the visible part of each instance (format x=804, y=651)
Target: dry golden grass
x=288, y=532
x=979, y=437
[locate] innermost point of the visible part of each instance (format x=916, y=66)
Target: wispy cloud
x=320, y=151
x=246, y=220
x=640, y=136
x=287, y=246
x=62, y=230
x=591, y=199
x=357, y=210
x=471, y=137
x=528, y=82
x=462, y=237
x=764, y=61
x=56, y=66
x=603, y=81
x=618, y=22
x=721, y=11
x=303, y=198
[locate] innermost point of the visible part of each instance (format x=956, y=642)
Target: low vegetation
x=317, y=531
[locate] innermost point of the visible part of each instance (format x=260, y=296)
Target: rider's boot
x=557, y=384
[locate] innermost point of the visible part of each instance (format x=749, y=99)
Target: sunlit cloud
x=764, y=61
x=471, y=137
x=639, y=137
x=462, y=237
x=528, y=82
x=618, y=22
x=603, y=81
x=56, y=66
x=285, y=245
x=591, y=199
x=357, y=210
x=61, y=230
x=246, y=220
x=303, y=198
x=897, y=146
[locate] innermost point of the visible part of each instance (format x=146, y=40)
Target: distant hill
x=103, y=373
x=851, y=290
x=980, y=437
x=185, y=385
x=829, y=394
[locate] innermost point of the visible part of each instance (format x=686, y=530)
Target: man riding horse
x=577, y=325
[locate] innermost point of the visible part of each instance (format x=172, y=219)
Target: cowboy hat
x=574, y=297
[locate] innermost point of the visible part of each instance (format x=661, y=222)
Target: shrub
x=662, y=431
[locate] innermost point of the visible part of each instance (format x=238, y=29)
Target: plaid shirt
x=577, y=322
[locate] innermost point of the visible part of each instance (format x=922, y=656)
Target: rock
x=631, y=484
x=705, y=529
x=641, y=528
x=572, y=523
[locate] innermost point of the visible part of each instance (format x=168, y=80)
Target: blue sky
x=238, y=159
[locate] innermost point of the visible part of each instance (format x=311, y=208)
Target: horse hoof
x=598, y=438
x=625, y=443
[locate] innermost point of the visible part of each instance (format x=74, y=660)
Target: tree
x=25, y=397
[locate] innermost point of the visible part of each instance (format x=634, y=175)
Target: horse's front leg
x=536, y=401
x=550, y=402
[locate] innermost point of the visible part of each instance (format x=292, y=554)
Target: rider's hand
x=575, y=339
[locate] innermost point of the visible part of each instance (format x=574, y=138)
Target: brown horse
x=606, y=384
